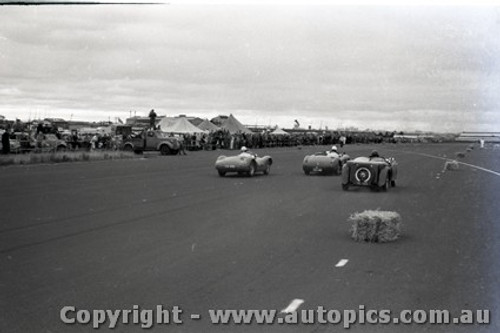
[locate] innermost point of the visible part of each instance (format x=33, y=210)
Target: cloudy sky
x=379, y=67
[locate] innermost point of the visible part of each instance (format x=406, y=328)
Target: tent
x=178, y=125
x=206, y=125
x=232, y=125
x=279, y=131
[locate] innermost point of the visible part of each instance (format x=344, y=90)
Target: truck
x=151, y=140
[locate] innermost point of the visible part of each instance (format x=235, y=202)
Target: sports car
x=243, y=164
x=378, y=173
x=323, y=163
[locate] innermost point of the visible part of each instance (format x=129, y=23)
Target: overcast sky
x=380, y=67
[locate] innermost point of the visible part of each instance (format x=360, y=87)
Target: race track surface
x=169, y=231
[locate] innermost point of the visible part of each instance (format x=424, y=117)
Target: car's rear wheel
x=251, y=171
x=307, y=172
x=393, y=183
x=345, y=187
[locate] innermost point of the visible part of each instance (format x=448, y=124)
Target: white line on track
x=342, y=263
x=293, y=306
x=447, y=159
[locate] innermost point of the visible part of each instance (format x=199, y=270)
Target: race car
x=243, y=164
x=324, y=163
x=376, y=172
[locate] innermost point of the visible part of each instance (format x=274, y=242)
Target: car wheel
x=128, y=148
x=222, y=173
x=339, y=169
x=345, y=187
x=165, y=150
x=251, y=172
x=386, y=185
x=267, y=169
x=61, y=149
x=393, y=183
x=307, y=172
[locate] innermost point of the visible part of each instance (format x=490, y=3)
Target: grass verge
x=64, y=157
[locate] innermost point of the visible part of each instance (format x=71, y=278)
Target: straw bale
x=451, y=165
x=375, y=226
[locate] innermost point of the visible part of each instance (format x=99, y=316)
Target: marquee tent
x=178, y=125
x=206, y=125
x=279, y=131
x=232, y=125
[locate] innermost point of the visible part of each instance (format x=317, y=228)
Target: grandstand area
x=493, y=137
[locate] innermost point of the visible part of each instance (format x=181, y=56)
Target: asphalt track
x=169, y=231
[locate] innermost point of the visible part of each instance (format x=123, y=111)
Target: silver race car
x=243, y=164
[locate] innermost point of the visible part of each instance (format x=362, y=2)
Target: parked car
x=243, y=164
x=15, y=144
x=324, y=163
x=378, y=173
x=26, y=142
x=151, y=140
x=51, y=142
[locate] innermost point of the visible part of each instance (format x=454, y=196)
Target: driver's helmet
x=244, y=149
x=334, y=148
x=374, y=154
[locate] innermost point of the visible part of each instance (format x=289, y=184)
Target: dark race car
x=324, y=163
x=378, y=173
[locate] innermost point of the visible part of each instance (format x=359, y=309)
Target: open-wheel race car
x=324, y=163
x=376, y=172
x=243, y=164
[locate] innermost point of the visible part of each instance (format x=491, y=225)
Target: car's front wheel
x=386, y=185
x=222, y=173
x=165, y=150
x=345, y=187
x=128, y=148
x=339, y=169
x=267, y=169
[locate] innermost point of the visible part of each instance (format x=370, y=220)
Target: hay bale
x=451, y=165
x=460, y=154
x=375, y=226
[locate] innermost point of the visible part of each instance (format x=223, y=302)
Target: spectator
x=152, y=119
x=93, y=142
x=39, y=140
x=74, y=140
x=6, y=142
